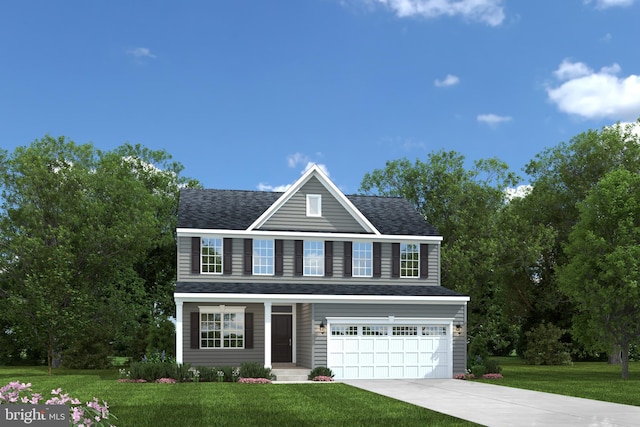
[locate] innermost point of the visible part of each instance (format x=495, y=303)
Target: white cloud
x=295, y=159
x=493, y=119
x=518, y=192
x=604, y=4
x=595, y=94
x=141, y=52
x=449, y=80
x=282, y=188
x=490, y=12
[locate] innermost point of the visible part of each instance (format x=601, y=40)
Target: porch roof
x=314, y=289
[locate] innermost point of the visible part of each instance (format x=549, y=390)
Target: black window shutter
x=195, y=329
x=248, y=330
x=395, y=260
x=248, y=256
x=377, y=259
x=348, y=248
x=195, y=255
x=328, y=258
x=227, y=250
x=424, y=260
x=279, y=267
x=298, y=257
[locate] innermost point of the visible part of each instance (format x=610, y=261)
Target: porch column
x=267, y=334
x=179, y=331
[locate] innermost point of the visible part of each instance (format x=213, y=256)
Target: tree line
x=88, y=252
x=565, y=255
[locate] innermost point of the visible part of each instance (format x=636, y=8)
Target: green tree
x=603, y=273
x=77, y=225
x=561, y=178
x=463, y=204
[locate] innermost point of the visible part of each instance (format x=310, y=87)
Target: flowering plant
x=82, y=415
x=166, y=381
x=322, y=378
x=254, y=381
x=492, y=376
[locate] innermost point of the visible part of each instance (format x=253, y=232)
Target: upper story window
x=263, y=255
x=314, y=205
x=409, y=260
x=362, y=259
x=313, y=255
x=211, y=255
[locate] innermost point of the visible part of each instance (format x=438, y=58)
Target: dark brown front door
x=281, y=336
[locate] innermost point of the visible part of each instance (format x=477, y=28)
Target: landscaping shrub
x=544, y=346
x=492, y=366
x=478, y=371
x=320, y=371
x=254, y=370
x=207, y=373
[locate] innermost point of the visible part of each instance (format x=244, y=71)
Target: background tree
x=463, y=205
x=78, y=228
x=602, y=275
x=561, y=178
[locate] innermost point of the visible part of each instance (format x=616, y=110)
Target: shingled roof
x=237, y=210
x=314, y=289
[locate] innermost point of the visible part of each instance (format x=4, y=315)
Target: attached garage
x=390, y=348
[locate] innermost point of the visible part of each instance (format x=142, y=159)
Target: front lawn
x=591, y=380
x=230, y=404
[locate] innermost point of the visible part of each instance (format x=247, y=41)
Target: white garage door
x=389, y=351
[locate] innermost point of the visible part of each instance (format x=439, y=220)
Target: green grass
x=230, y=404
x=591, y=380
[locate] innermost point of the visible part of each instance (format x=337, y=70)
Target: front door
x=281, y=338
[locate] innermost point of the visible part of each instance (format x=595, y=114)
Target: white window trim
x=221, y=255
x=353, y=261
x=222, y=309
x=273, y=259
x=311, y=198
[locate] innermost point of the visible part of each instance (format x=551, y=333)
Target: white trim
x=391, y=320
x=179, y=332
x=267, y=334
x=329, y=185
x=291, y=298
x=204, y=232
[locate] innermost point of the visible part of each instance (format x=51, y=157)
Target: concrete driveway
x=494, y=405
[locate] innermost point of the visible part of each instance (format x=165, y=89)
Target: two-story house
x=312, y=277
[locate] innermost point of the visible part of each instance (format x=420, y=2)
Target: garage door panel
x=401, y=351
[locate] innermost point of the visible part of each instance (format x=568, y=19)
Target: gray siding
x=304, y=335
x=293, y=215
x=224, y=357
x=184, y=267
x=457, y=312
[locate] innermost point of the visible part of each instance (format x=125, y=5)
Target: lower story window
x=221, y=327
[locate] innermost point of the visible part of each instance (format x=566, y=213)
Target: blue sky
x=246, y=93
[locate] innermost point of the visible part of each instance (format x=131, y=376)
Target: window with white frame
x=313, y=255
x=221, y=327
x=263, y=257
x=409, y=260
x=362, y=259
x=211, y=255
x=314, y=205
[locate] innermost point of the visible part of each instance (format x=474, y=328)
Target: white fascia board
x=327, y=299
x=200, y=232
x=329, y=185
x=390, y=320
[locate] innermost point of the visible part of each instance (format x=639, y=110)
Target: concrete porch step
x=291, y=374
